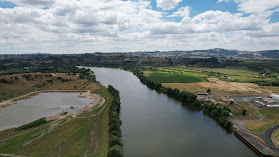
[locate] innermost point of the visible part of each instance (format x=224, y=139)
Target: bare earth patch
x=220, y=88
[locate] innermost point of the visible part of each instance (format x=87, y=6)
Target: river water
x=154, y=125
x=42, y=105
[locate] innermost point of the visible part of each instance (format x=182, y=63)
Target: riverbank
x=255, y=143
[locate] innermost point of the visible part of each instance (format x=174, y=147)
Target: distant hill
x=217, y=52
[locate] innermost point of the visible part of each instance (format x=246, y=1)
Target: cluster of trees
x=183, y=96
x=267, y=82
x=219, y=113
x=32, y=124
x=115, y=142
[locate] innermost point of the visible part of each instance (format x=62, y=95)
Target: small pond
x=42, y=105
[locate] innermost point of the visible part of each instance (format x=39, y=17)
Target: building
x=202, y=93
x=274, y=96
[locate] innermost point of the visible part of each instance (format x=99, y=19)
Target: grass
x=21, y=86
x=238, y=74
x=275, y=137
x=85, y=135
x=160, y=77
x=271, y=117
x=251, y=114
x=76, y=137
x=185, y=87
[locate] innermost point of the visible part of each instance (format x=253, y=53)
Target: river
x=154, y=125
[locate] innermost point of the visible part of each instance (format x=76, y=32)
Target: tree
x=115, y=133
x=115, y=151
x=114, y=140
x=244, y=112
x=228, y=124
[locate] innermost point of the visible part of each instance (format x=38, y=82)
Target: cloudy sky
x=85, y=26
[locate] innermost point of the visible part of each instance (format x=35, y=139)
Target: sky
x=87, y=26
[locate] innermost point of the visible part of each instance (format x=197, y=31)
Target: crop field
x=237, y=74
x=160, y=77
x=83, y=136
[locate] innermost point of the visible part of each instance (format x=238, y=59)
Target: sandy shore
x=97, y=100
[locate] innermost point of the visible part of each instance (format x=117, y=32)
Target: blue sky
x=79, y=26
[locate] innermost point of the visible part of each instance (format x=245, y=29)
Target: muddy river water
x=42, y=105
x=154, y=125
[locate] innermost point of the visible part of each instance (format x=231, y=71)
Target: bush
x=244, y=112
x=32, y=124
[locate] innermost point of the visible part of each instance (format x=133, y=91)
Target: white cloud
x=167, y=4
x=182, y=12
x=255, y=6
x=101, y=25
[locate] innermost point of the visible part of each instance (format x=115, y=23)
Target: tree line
x=115, y=142
x=221, y=114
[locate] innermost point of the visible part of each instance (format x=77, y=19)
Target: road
x=266, y=136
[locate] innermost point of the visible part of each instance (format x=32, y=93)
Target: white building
x=274, y=96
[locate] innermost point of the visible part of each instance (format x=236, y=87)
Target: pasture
x=161, y=77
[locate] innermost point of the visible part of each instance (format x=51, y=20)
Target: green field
x=83, y=136
x=161, y=77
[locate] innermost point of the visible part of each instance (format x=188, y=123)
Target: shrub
x=244, y=112
x=32, y=124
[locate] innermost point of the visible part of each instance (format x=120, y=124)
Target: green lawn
x=160, y=77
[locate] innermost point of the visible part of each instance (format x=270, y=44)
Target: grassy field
x=220, y=88
x=22, y=86
x=237, y=74
x=161, y=77
x=251, y=114
x=83, y=136
x=271, y=117
x=86, y=135
x=275, y=138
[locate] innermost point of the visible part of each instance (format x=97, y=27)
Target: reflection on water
x=42, y=105
x=154, y=125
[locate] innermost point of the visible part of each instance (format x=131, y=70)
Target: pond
x=42, y=105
